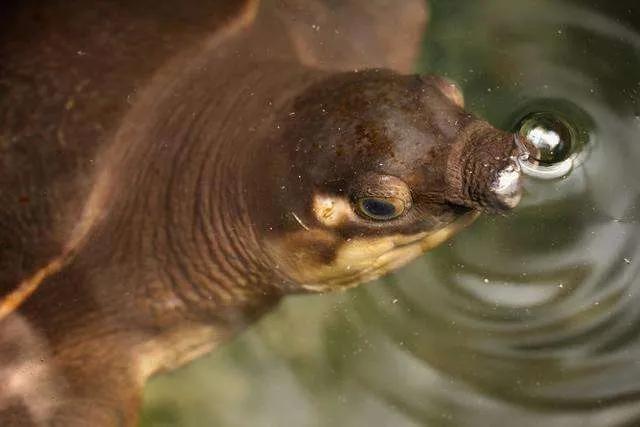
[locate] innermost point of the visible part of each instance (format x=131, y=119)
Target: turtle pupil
x=378, y=208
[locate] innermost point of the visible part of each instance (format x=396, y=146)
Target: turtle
x=171, y=170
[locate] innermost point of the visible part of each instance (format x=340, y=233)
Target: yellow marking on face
x=356, y=260
x=332, y=211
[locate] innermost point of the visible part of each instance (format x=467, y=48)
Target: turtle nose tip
x=506, y=189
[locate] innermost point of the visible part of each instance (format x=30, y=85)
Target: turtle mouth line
x=394, y=258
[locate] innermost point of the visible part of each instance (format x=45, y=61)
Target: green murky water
x=529, y=319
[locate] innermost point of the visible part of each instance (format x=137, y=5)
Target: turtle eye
x=380, y=209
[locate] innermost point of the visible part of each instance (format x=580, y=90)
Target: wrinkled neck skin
x=191, y=244
x=191, y=248
x=165, y=259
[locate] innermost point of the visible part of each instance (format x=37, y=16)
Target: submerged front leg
x=41, y=385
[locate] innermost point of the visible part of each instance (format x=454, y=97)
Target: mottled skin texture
x=188, y=166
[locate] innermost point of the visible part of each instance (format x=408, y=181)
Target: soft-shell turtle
x=169, y=170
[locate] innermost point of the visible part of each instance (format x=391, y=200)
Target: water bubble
x=547, y=137
x=547, y=142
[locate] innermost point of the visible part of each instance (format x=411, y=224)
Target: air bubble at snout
x=548, y=145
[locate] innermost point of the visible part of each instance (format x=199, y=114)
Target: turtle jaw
x=358, y=260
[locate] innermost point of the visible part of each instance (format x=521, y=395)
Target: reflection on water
x=530, y=318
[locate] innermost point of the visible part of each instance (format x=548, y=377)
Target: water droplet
x=547, y=137
x=547, y=142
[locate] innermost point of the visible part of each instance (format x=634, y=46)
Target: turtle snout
x=482, y=170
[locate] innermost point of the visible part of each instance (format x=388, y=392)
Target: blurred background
x=528, y=319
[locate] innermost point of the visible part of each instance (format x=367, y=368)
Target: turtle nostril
x=506, y=187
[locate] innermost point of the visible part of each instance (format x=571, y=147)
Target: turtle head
x=379, y=168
